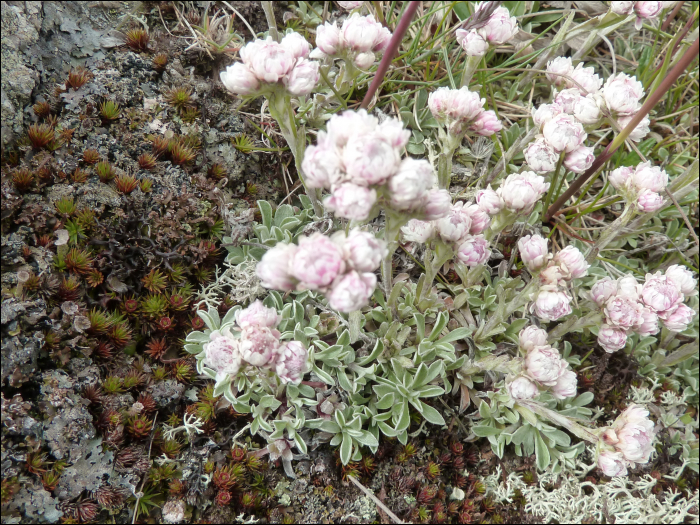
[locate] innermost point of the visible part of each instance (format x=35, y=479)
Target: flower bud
x=544, y=364
x=557, y=68
x=474, y=250
x=572, y=263
x=500, y=28
x=352, y=291
x=546, y=112
x=648, y=9
x=677, y=319
x=257, y=315
x=480, y=220
x=648, y=323
x=472, y=42
x=635, y=433
x=586, y=111
x=303, y=78
x=541, y=157
x=522, y=388
x=489, y=201
x=486, y=124
x=623, y=313
x=418, y=231
x=348, y=124
x=362, y=33
x=370, y=160
x=440, y=101
x=533, y=252
x=317, y=262
x=612, y=463
x=552, y=276
x=648, y=177
x=274, y=269
x=393, y=132
x=521, y=191
x=603, y=290
x=564, y=133
x=321, y=165
x=465, y=105
x=292, y=363
x=223, y=354
x=641, y=131
x=628, y=287
x=328, y=38
x=363, y=251
x=566, y=99
x=409, y=186
x=351, y=201
x=437, y=205
x=268, y=60
x=621, y=177
x=349, y=6
x=259, y=345
x=587, y=79
x=611, y=339
x=566, y=385
x=580, y=159
x=622, y=8
x=622, y=94
x=238, y=79
x=365, y=60
x=296, y=44
x=683, y=279
x=531, y=336
x=456, y=225
x=649, y=201
x=551, y=305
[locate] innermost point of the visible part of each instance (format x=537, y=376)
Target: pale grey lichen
x=239, y=281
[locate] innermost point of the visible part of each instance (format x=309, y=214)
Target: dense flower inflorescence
x=627, y=442
x=641, y=185
x=340, y=267
x=498, y=29
x=461, y=110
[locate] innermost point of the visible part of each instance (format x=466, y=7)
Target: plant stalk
x=611, y=231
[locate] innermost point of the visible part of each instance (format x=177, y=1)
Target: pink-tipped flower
x=541, y=157
x=522, y=388
x=259, y=345
x=579, y=160
x=363, y=34
x=649, y=201
x=349, y=6
x=587, y=79
x=586, y=111
x=328, y=38
x=500, y=28
x=349, y=124
x=622, y=94
x=223, y=354
x=635, y=434
x=612, y=463
x=239, y=79
x=473, y=43
x=393, y=132
x=544, y=365
x=486, y=124
x=456, y=225
x=611, y=339
x=603, y=290
x=317, y=262
x=303, y=78
x=552, y=276
x=558, y=70
x=363, y=251
x=683, y=279
x=545, y=113
x=551, y=305
x=566, y=385
x=621, y=178
x=480, y=220
x=623, y=313
x=641, y=131
x=268, y=60
x=648, y=323
x=257, y=314
x=364, y=60
x=677, y=319
x=321, y=165
x=418, y=231
x=533, y=252
x=439, y=102
x=274, y=269
x=572, y=263
x=628, y=287
x=292, y=362
x=648, y=177
x=352, y=291
x=564, y=133
x=567, y=98
x=465, y=105
x=622, y=8
x=474, y=250
x=489, y=201
x=296, y=45
x=351, y=201
x=521, y=191
x=437, y=205
x=408, y=187
x=645, y=11
x=531, y=336
x=369, y=159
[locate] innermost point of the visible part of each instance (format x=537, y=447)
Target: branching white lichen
x=239, y=281
x=190, y=424
x=621, y=500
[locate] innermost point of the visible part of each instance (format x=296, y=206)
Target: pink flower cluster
x=544, y=368
x=622, y=95
x=256, y=344
x=461, y=110
x=627, y=442
x=268, y=65
x=642, y=184
x=643, y=10
x=359, y=40
x=340, y=267
x=499, y=28
x=631, y=307
x=359, y=160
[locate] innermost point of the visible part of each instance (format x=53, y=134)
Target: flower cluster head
x=359, y=40
x=627, y=442
x=461, y=110
x=359, y=160
x=268, y=66
x=520, y=192
x=340, y=267
x=253, y=341
x=498, y=29
x=562, y=73
x=642, y=185
x=543, y=368
x=643, y=10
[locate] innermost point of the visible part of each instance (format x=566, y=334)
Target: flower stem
x=470, y=66
x=553, y=186
x=611, y=231
x=560, y=420
x=505, y=309
x=573, y=323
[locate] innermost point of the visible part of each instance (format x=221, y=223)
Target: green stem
x=470, y=65
x=562, y=421
x=505, y=310
x=553, y=186
x=611, y=231
x=592, y=319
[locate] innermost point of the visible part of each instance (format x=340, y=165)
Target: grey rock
x=69, y=432
x=87, y=473
x=37, y=504
x=166, y=393
x=19, y=356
